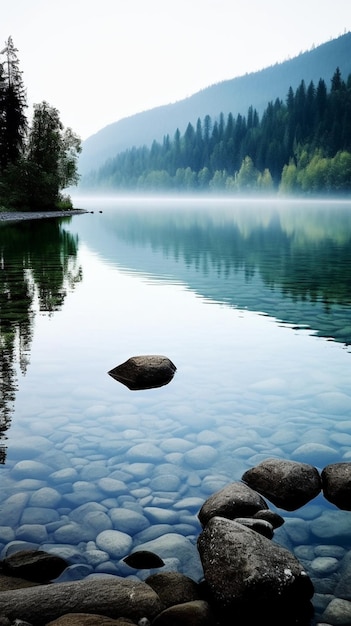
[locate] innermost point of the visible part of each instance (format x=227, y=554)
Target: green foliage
x=284, y=150
x=36, y=164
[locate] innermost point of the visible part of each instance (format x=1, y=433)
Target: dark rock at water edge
x=144, y=372
x=113, y=597
x=287, y=484
x=336, y=484
x=244, y=570
x=34, y=565
x=234, y=500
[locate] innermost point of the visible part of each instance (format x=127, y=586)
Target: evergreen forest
x=37, y=160
x=300, y=145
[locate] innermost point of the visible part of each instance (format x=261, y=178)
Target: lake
x=250, y=299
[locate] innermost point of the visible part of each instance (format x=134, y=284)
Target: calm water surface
x=252, y=302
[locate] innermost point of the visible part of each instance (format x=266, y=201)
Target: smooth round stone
x=334, y=403
x=30, y=484
x=70, y=553
x=28, y=446
x=144, y=452
x=315, y=454
x=112, y=486
x=95, y=557
x=77, y=571
x=297, y=530
x=16, y=546
x=140, y=470
x=36, y=533
x=176, y=445
x=114, y=542
x=165, y=482
x=332, y=525
x=209, y=437
x=73, y=533
x=39, y=515
x=341, y=439
x=194, y=480
x=98, y=520
x=107, y=568
x=192, y=504
x=211, y=484
x=31, y=469
x=330, y=550
x=141, y=493
x=7, y=534
x=338, y=612
x=66, y=475
x=94, y=471
x=201, y=456
x=324, y=565
x=158, y=515
x=45, y=497
x=153, y=532
x=80, y=513
x=126, y=520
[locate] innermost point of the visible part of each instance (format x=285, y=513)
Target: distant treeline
x=300, y=145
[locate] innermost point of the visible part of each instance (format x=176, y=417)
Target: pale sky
x=98, y=61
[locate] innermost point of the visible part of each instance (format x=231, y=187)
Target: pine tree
x=13, y=128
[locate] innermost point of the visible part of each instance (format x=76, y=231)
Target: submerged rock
x=143, y=559
x=144, y=372
x=34, y=565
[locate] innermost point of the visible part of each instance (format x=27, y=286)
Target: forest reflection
x=295, y=259
x=38, y=266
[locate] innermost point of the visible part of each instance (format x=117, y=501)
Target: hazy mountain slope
x=235, y=96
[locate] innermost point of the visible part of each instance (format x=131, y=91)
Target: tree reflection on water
x=38, y=266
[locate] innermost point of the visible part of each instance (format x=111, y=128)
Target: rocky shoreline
x=246, y=577
x=20, y=216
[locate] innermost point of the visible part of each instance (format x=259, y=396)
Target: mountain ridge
x=234, y=95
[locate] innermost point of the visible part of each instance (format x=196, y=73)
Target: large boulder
x=243, y=571
x=113, y=597
x=174, y=588
x=144, y=372
x=195, y=613
x=34, y=565
x=234, y=500
x=287, y=484
x=336, y=485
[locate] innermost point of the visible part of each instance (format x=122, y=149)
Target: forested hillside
x=231, y=96
x=300, y=144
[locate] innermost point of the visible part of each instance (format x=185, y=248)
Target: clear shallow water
x=251, y=301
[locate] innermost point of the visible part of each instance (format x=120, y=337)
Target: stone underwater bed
x=246, y=576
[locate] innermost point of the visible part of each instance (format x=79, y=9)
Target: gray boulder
x=287, y=484
x=258, y=525
x=144, y=372
x=174, y=588
x=34, y=565
x=113, y=597
x=234, y=500
x=336, y=485
x=87, y=619
x=243, y=570
x=195, y=613
x=270, y=516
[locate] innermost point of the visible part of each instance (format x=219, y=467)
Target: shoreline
x=19, y=216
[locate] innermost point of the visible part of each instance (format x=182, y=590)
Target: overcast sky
x=98, y=61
